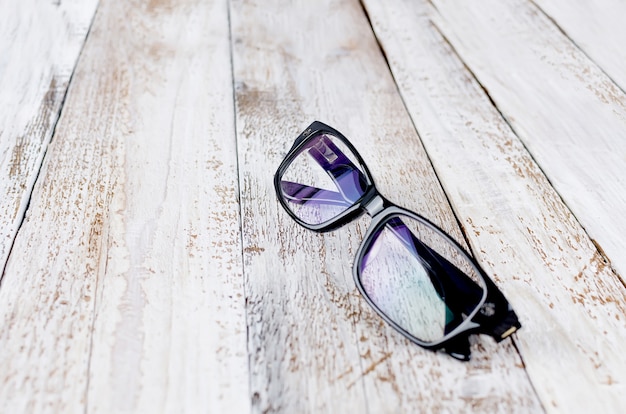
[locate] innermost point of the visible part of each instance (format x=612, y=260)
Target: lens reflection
x=418, y=279
x=323, y=180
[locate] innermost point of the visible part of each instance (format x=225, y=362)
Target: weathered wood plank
x=597, y=27
x=572, y=305
x=567, y=112
x=39, y=46
x=124, y=292
x=315, y=344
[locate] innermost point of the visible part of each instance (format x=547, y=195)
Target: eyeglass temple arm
x=302, y=194
x=346, y=176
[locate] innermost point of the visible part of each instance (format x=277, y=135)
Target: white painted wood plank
x=39, y=46
x=572, y=305
x=124, y=292
x=315, y=344
x=568, y=113
x=597, y=27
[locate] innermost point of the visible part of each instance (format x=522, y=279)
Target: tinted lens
x=323, y=180
x=420, y=280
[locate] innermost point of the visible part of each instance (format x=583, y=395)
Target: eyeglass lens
x=418, y=279
x=323, y=180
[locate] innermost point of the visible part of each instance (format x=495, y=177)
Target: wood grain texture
x=124, y=290
x=597, y=28
x=39, y=46
x=524, y=235
x=567, y=112
x=315, y=345
x=156, y=272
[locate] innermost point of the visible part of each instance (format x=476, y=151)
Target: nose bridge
x=375, y=205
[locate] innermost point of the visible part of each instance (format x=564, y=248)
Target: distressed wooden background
x=147, y=266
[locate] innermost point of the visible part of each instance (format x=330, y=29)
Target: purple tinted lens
x=418, y=279
x=323, y=180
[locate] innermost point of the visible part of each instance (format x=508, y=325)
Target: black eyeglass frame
x=497, y=319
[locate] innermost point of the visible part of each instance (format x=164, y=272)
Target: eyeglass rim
x=355, y=210
x=380, y=219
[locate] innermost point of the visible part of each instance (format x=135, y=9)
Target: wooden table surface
x=147, y=266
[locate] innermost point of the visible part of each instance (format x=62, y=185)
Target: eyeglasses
x=415, y=276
